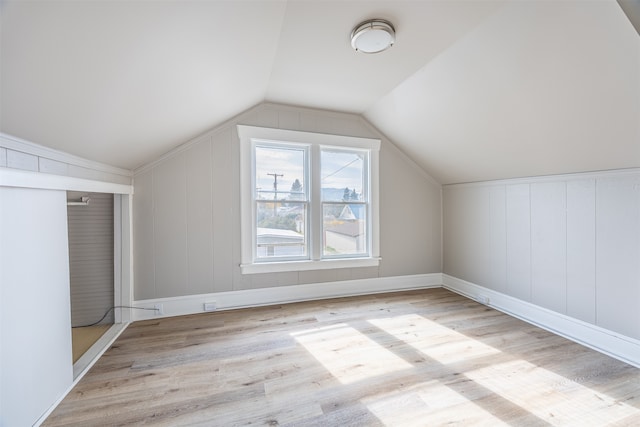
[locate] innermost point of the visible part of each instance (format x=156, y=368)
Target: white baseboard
x=605, y=341
x=193, y=304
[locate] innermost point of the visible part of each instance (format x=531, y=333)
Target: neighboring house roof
x=278, y=236
x=297, y=208
x=351, y=212
x=347, y=228
x=347, y=213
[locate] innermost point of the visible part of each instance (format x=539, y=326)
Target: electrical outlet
x=159, y=309
x=210, y=306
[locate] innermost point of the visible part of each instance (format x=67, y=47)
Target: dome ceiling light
x=373, y=36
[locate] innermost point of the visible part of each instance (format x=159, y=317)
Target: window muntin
x=359, y=172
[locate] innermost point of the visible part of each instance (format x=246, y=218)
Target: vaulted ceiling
x=472, y=90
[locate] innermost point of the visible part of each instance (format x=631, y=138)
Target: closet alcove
x=90, y=220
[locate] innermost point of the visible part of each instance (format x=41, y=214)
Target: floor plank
x=417, y=358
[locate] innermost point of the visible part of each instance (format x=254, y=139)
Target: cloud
x=339, y=169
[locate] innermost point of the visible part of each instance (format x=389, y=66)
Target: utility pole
x=275, y=190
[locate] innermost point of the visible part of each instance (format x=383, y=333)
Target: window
x=308, y=200
x=280, y=201
x=344, y=190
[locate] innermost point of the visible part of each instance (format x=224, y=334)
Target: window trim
x=247, y=136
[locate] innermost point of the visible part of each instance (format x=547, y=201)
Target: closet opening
x=90, y=220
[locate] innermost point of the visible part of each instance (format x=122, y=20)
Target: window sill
x=276, y=267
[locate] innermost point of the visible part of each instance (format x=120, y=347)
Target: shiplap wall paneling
x=268, y=280
x=581, y=249
x=289, y=120
x=170, y=226
x=240, y=281
x=549, y=245
x=225, y=217
x=187, y=219
x=518, y=221
x=19, y=154
x=453, y=248
x=479, y=257
x=199, y=218
x=618, y=254
x=143, y=231
x=498, y=242
x=416, y=209
x=52, y=166
x=317, y=276
x=308, y=121
x=466, y=226
x=572, y=243
x=266, y=116
x=91, y=258
x=22, y=161
x=472, y=224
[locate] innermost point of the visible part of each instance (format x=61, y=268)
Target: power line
x=335, y=172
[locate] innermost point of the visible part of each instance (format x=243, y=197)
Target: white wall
x=187, y=222
x=568, y=243
x=35, y=357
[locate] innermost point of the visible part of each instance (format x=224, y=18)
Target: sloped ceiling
x=472, y=90
x=538, y=88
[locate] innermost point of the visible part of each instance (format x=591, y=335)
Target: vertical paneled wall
x=618, y=254
x=187, y=220
x=91, y=264
x=581, y=249
x=518, y=230
x=568, y=243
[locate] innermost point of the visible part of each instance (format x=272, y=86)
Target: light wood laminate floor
x=419, y=358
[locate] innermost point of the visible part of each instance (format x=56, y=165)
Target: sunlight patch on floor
x=349, y=355
x=550, y=396
x=434, y=340
x=431, y=403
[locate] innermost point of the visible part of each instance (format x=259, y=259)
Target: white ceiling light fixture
x=373, y=36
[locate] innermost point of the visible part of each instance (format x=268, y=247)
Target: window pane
x=343, y=175
x=280, y=173
x=280, y=229
x=344, y=229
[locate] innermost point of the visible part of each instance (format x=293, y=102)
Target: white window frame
x=252, y=135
